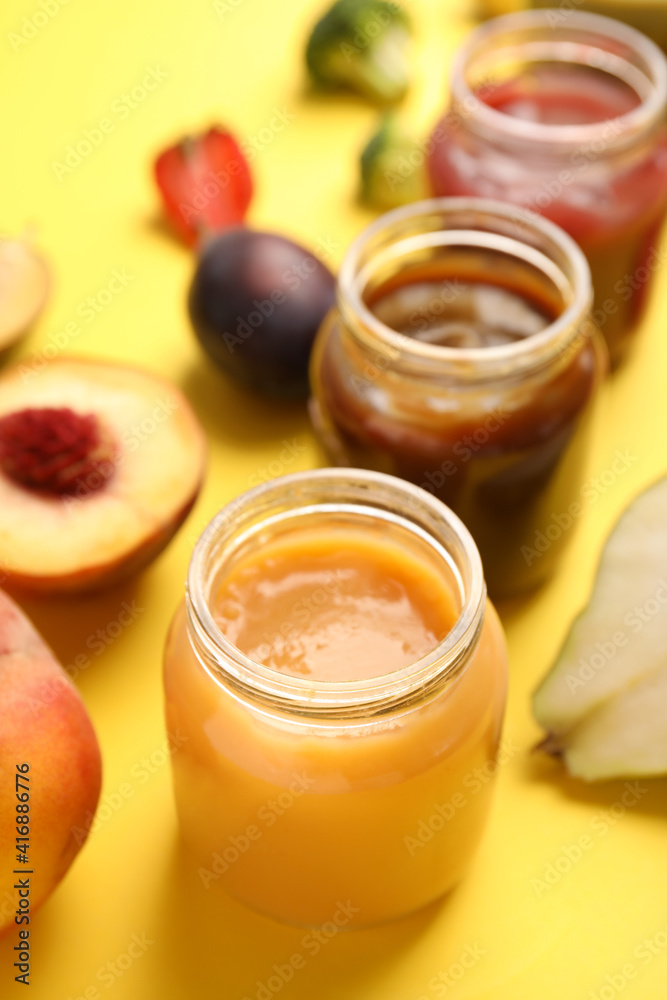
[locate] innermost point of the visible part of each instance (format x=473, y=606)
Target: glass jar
x=500, y=433
x=302, y=797
x=648, y=16
x=564, y=113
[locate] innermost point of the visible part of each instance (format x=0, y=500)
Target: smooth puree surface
x=335, y=605
x=462, y=307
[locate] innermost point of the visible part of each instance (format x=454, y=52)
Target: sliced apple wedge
x=613, y=666
x=24, y=288
x=99, y=466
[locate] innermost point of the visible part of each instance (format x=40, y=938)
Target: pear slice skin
x=620, y=639
x=626, y=737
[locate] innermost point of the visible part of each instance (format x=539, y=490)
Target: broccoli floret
x=393, y=168
x=361, y=44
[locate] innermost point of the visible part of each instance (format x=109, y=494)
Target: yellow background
x=237, y=66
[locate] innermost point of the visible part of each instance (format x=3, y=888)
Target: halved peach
x=99, y=466
x=24, y=287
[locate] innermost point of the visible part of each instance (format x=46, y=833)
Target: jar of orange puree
x=340, y=677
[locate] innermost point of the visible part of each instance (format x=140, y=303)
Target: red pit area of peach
x=55, y=450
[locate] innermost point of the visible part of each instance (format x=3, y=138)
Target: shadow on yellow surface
x=80, y=629
x=648, y=795
x=208, y=938
x=238, y=415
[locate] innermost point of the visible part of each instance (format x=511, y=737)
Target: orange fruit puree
x=344, y=605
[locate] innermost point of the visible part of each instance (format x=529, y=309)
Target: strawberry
x=205, y=183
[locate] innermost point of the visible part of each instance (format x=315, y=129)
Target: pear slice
x=626, y=737
x=613, y=661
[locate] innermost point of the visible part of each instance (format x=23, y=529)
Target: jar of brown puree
x=462, y=357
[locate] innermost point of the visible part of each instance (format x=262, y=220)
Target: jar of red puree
x=462, y=357
x=566, y=117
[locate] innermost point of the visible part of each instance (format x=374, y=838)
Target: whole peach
x=49, y=758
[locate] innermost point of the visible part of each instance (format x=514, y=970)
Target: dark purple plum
x=256, y=302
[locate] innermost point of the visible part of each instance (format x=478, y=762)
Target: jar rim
x=633, y=124
x=362, y=698
x=530, y=351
